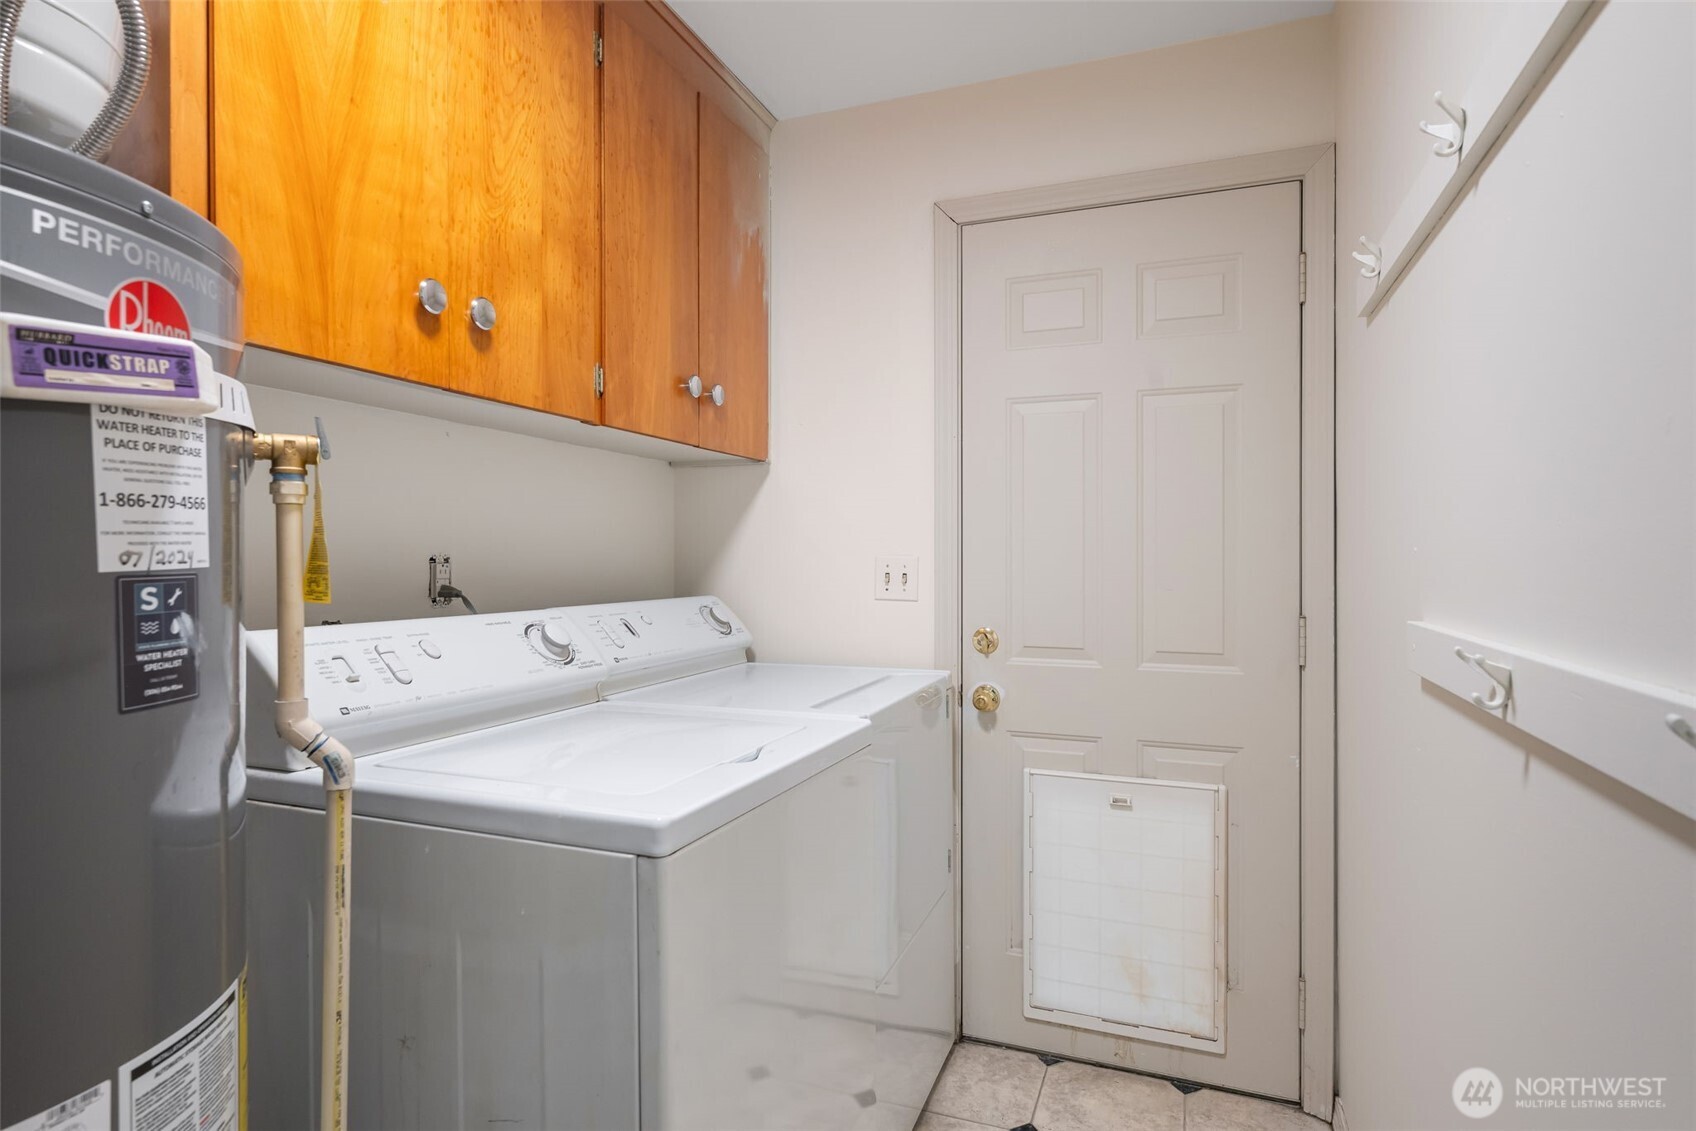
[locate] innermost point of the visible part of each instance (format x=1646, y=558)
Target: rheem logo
x=148, y=308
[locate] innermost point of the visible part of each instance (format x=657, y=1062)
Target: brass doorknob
x=985, y=640
x=986, y=698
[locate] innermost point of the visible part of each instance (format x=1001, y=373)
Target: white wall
x=528, y=522
x=1515, y=459
x=790, y=546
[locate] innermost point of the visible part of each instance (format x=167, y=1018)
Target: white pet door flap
x=1125, y=906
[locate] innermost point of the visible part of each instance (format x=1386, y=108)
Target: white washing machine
x=571, y=913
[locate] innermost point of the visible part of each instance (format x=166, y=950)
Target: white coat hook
x=1500, y=674
x=1371, y=260
x=1680, y=726
x=1450, y=135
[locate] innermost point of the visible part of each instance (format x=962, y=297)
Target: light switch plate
x=896, y=578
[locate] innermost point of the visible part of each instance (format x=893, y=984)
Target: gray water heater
x=122, y=947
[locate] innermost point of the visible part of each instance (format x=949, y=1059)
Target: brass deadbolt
x=986, y=698
x=985, y=640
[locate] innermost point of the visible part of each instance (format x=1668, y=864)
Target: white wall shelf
x=1636, y=733
x=1525, y=47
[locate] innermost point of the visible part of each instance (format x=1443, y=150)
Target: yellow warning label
x=316, y=583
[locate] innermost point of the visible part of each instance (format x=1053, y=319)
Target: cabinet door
x=649, y=182
x=330, y=124
x=734, y=204
x=525, y=204
x=363, y=147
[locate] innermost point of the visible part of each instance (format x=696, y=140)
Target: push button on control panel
x=430, y=648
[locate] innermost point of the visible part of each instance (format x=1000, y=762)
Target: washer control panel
x=383, y=685
x=386, y=684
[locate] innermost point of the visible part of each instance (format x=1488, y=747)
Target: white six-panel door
x=1131, y=532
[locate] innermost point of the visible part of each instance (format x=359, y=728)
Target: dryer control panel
x=382, y=685
x=649, y=641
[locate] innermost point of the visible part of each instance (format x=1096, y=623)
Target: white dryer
x=568, y=912
x=894, y=817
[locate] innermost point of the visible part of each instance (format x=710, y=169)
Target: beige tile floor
x=1000, y=1089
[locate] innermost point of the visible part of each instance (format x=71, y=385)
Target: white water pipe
x=289, y=457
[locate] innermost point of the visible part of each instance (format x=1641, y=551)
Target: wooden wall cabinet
x=612, y=213
x=684, y=181
x=360, y=148
x=734, y=201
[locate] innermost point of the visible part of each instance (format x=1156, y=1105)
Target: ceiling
x=808, y=56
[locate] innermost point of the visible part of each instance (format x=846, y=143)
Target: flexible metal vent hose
x=96, y=141
x=10, y=10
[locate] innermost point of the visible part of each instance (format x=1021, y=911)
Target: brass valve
x=285, y=452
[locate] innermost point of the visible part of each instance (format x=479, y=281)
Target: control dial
x=716, y=621
x=552, y=639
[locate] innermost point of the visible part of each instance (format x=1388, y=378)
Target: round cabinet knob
x=432, y=296
x=986, y=697
x=482, y=313
x=716, y=621
x=693, y=386
x=986, y=640
x=717, y=394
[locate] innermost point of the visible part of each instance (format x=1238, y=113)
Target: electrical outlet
x=441, y=573
x=896, y=579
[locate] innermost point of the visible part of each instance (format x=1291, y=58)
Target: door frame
x=1314, y=168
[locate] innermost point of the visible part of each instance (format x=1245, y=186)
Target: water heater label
x=192, y=1079
x=91, y=1110
x=158, y=645
x=150, y=496
x=73, y=360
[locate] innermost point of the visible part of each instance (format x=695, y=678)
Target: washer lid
x=861, y=692
x=619, y=777
x=614, y=754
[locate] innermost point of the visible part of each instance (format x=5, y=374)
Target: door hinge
x=1303, y=278
x=950, y=861
x=1301, y=1004
x=599, y=53
x=600, y=381
x=1301, y=641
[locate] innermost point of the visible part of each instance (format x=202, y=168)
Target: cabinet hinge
x=1301, y=641
x=1303, y=277
x=1301, y=1004
x=599, y=53
x=600, y=381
